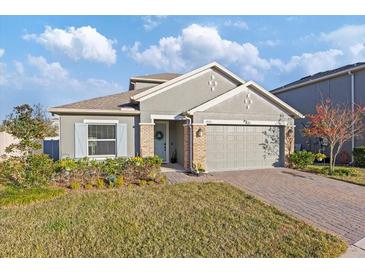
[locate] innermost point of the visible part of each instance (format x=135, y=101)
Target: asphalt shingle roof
x=159, y=76
x=319, y=75
x=109, y=102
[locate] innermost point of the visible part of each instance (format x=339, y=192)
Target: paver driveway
x=332, y=205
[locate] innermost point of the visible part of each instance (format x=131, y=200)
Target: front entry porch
x=168, y=136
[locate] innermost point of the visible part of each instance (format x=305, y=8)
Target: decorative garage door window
x=159, y=135
x=101, y=140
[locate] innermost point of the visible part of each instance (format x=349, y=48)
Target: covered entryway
x=233, y=147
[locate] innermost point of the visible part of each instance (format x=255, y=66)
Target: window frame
x=102, y=123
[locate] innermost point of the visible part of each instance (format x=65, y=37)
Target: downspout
x=352, y=110
x=190, y=142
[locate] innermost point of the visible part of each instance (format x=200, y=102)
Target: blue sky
x=54, y=60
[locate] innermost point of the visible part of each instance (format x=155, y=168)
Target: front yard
x=182, y=220
x=356, y=175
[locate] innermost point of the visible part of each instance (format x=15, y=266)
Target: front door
x=161, y=140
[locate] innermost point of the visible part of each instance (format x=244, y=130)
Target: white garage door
x=232, y=147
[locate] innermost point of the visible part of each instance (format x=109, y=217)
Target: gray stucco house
x=344, y=85
x=208, y=117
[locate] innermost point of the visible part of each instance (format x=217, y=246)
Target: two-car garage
x=233, y=147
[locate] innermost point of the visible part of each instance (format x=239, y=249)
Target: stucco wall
x=186, y=96
x=67, y=135
x=235, y=109
x=6, y=140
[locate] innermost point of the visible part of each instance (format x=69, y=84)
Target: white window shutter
x=80, y=140
x=121, y=140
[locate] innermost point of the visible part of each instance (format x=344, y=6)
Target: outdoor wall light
x=199, y=132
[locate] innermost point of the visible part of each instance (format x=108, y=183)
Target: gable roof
x=159, y=77
x=256, y=87
x=119, y=102
x=183, y=78
x=320, y=76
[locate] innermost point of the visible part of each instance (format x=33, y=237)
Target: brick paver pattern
x=329, y=204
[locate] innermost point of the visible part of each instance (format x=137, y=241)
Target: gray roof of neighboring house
x=109, y=102
x=319, y=75
x=158, y=77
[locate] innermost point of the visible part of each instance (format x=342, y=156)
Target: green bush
x=38, y=170
x=100, y=183
x=89, y=186
x=12, y=171
x=75, y=185
x=301, y=159
x=120, y=181
x=34, y=170
x=341, y=171
x=359, y=156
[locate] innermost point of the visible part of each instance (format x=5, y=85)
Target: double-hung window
x=102, y=140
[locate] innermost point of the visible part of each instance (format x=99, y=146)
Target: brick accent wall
x=200, y=146
x=186, y=147
x=147, y=140
x=288, y=142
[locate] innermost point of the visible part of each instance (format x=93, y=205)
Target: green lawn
x=359, y=179
x=182, y=220
x=10, y=196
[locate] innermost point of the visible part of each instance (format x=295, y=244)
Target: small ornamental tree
x=30, y=125
x=337, y=124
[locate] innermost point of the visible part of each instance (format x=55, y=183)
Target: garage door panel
x=232, y=147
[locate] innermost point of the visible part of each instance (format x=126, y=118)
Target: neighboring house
x=6, y=140
x=344, y=85
x=208, y=117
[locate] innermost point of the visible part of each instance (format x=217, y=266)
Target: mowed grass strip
x=182, y=220
x=11, y=196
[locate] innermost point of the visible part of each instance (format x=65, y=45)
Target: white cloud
x=238, y=24
x=350, y=39
x=53, y=71
x=151, y=22
x=77, y=43
x=3, y=74
x=51, y=77
x=311, y=63
x=2, y=52
x=270, y=43
x=197, y=45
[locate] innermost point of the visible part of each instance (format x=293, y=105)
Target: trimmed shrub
x=89, y=186
x=301, y=159
x=75, y=185
x=100, y=183
x=120, y=181
x=359, y=156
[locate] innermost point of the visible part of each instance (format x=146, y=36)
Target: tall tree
x=337, y=124
x=30, y=125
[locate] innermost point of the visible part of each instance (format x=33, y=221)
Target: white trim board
x=245, y=122
x=250, y=85
x=183, y=78
x=166, y=117
x=90, y=121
